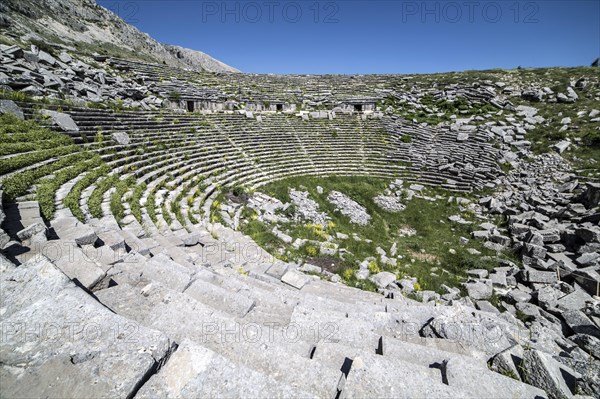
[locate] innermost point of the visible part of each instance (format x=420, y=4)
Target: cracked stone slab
x=195, y=371
x=60, y=342
x=295, y=279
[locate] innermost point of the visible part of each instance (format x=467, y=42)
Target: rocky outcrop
x=85, y=25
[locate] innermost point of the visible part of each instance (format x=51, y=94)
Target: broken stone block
x=588, y=343
x=308, y=268
x=575, y=300
x=63, y=121
x=9, y=107
x=295, y=279
x=383, y=279
x=190, y=240
x=121, y=138
x=580, y=323
x=30, y=231
x=588, y=278
x=518, y=295
x=588, y=258
x=486, y=306
x=479, y=290
x=542, y=371
x=588, y=233
x=508, y=361
x=534, y=251
x=535, y=276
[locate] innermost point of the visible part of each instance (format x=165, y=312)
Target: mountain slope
x=86, y=27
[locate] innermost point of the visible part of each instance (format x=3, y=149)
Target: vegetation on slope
x=433, y=255
x=37, y=161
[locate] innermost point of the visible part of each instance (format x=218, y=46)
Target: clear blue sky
x=343, y=37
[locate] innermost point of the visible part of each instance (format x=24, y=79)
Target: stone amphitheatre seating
x=190, y=308
x=324, y=89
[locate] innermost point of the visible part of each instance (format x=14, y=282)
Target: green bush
x=174, y=96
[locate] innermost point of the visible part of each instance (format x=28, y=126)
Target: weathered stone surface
x=30, y=231
x=348, y=207
x=535, y=276
x=198, y=372
x=78, y=232
x=9, y=107
x=546, y=373
x=191, y=239
x=479, y=290
x=46, y=58
x=121, y=138
x=62, y=120
x=479, y=330
x=295, y=279
x=383, y=279
x=508, y=361
x=75, y=263
x=588, y=343
x=76, y=338
x=580, y=323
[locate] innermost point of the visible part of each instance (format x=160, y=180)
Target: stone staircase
x=217, y=324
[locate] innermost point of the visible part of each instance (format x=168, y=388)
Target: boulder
x=64, y=57
x=121, y=138
x=561, y=146
x=562, y=98
x=508, y=361
x=383, y=279
x=191, y=239
x=479, y=290
x=534, y=251
x=9, y=107
x=63, y=121
x=460, y=137
x=588, y=343
x=46, y=58
x=591, y=196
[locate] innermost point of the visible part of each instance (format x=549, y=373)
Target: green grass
x=584, y=153
x=30, y=145
x=426, y=255
x=95, y=201
x=134, y=202
x=71, y=201
x=46, y=191
x=116, y=202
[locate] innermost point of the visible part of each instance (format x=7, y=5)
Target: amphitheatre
x=172, y=227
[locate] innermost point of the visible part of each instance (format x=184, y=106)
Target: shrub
x=311, y=251
x=238, y=191
x=174, y=95
x=374, y=268
x=348, y=274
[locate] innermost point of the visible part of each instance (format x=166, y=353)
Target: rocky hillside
x=85, y=27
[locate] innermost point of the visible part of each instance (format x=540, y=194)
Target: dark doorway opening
x=279, y=107
x=190, y=106
x=358, y=107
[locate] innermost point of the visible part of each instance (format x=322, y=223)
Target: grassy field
x=433, y=255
